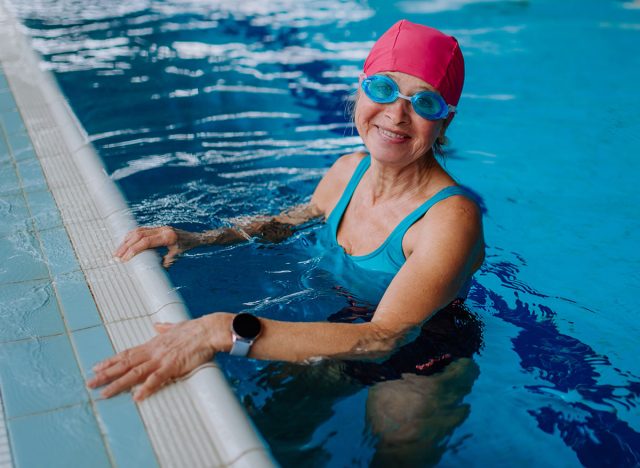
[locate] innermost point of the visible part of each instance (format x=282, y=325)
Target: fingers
x=135, y=376
x=144, y=238
x=122, y=248
x=116, y=366
x=170, y=257
x=153, y=383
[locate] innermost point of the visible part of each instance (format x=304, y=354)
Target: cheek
x=365, y=110
x=430, y=130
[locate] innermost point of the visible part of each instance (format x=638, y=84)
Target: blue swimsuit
x=389, y=257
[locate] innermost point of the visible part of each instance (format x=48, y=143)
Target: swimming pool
x=203, y=111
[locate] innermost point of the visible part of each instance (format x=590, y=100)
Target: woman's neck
x=384, y=182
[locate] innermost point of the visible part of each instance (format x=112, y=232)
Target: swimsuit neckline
x=400, y=225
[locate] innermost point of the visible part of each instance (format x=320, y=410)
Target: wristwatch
x=245, y=328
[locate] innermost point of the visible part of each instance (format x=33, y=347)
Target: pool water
x=204, y=111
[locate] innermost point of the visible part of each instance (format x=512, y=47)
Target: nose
x=398, y=111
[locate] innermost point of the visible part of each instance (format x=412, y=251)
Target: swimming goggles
x=427, y=104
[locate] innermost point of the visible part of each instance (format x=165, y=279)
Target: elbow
x=377, y=342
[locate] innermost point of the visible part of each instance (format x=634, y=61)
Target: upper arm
x=448, y=249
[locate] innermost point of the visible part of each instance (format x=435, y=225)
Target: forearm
x=269, y=228
x=306, y=341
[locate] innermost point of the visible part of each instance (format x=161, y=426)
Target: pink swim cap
x=423, y=52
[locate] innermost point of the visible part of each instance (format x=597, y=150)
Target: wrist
x=218, y=324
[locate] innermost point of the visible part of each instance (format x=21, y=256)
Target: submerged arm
x=269, y=228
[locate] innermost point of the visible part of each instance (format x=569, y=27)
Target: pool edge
x=205, y=393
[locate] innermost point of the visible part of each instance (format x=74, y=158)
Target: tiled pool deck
x=65, y=304
x=51, y=333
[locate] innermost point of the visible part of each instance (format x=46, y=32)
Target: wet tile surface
x=7, y=103
x=63, y=438
x=127, y=437
x=43, y=210
x=5, y=156
x=12, y=121
x=13, y=213
x=9, y=182
x=21, y=258
x=58, y=251
x=78, y=306
x=39, y=375
x=27, y=310
x=20, y=145
x=31, y=175
x=51, y=333
x=93, y=345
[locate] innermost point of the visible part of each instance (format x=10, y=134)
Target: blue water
x=204, y=111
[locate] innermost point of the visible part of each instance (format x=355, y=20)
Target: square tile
x=12, y=121
x=31, y=175
x=5, y=155
x=19, y=143
x=44, y=210
x=9, y=182
x=39, y=375
x=6, y=100
x=21, y=258
x=78, y=305
x=125, y=432
x=13, y=213
x=63, y=438
x=92, y=346
x=24, y=153
x=58, y=251
x=27, y=310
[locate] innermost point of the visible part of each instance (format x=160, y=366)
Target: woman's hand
x=143, y=238
x=174, y=352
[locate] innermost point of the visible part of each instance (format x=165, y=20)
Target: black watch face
x=246, y=326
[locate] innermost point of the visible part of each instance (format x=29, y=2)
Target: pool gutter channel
x=197, y=421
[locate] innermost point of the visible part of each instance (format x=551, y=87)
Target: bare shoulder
x=327, y=193
x=456, y=220
x=458, y=210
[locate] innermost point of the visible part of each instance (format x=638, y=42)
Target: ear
x=446, y=123
x=361, y=78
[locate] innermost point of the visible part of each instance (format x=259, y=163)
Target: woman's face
x=394, y=133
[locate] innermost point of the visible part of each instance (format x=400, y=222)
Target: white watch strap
x=240, y=347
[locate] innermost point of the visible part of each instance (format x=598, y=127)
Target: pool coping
x=213, y=427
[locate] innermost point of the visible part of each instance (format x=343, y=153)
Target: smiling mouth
x=393, y=135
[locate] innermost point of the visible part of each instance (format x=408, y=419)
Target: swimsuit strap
x=395, y=238
x=336, y=214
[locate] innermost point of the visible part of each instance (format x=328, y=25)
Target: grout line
x=5, y=442
x=68, y=332
x=210, y=408
x=49, y=411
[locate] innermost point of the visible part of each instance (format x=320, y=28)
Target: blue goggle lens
x=384, y=90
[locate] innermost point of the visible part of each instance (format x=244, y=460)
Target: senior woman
x=392, y=211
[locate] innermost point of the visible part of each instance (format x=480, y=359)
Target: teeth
x=390, y=134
